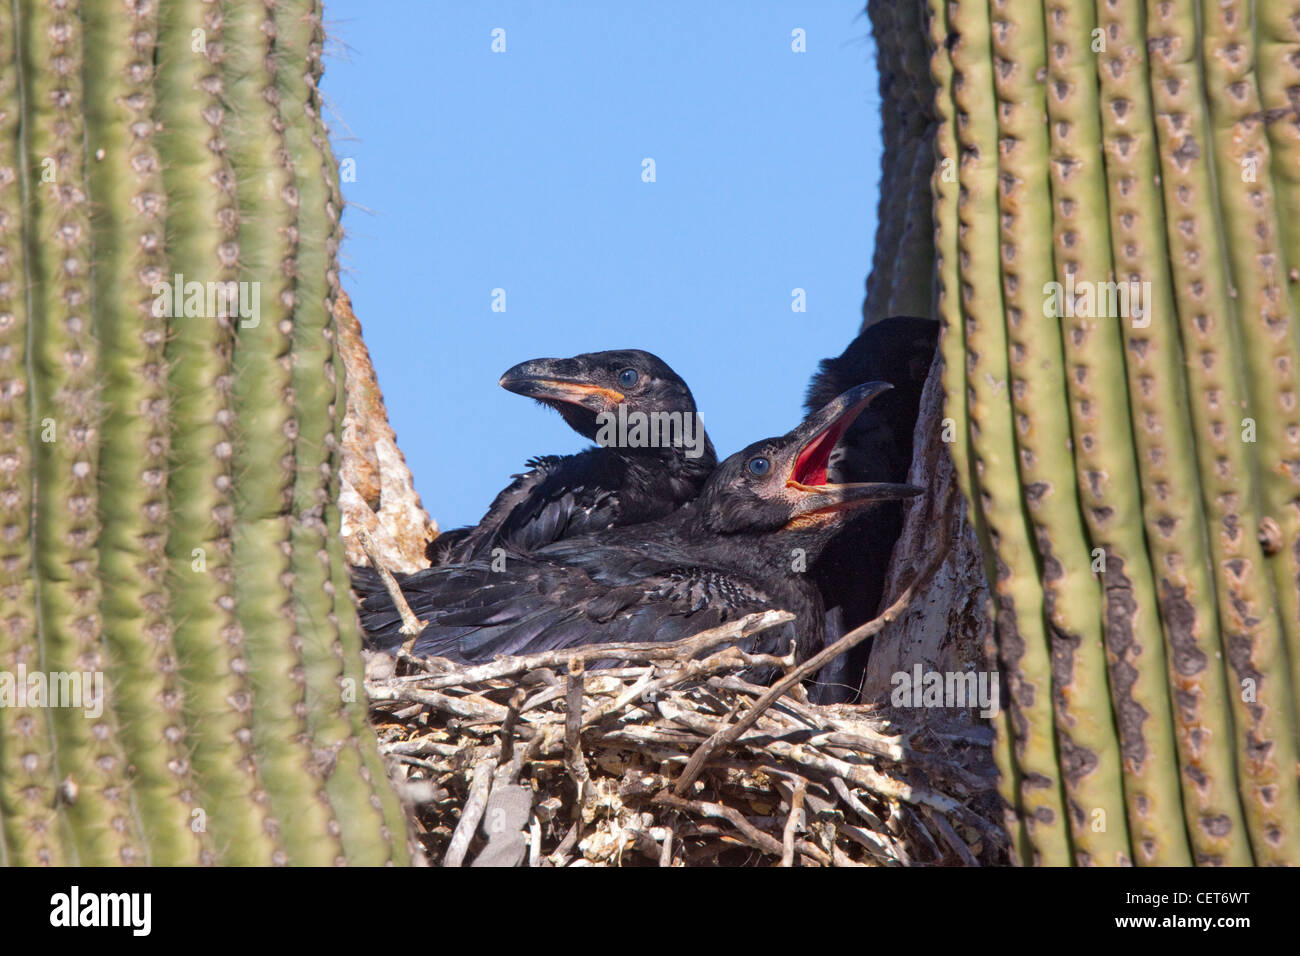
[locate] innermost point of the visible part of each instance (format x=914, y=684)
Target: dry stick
x=749, y=833
x=508, y=725
x=872, y=842
x=953, y=840
x=475, y=804
x=792, y=823
x=507, y=666
x=411, y=625
x=560, y=855
x=666, y=851
x=535, y=842
x=816, y=662
x=573, y=758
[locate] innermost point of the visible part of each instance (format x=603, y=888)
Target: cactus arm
x=1268, y=333
x=202, y=246
x=1265, y=752
x=1022, y=639
x=1175, y=526
x=128, y=228
x=32, y=832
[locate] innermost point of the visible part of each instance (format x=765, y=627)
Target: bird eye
x=628, y=377
x=759, y=466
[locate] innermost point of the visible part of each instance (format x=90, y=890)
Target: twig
x=666, y=850
x=471, y=814
x=535, y=842
x=749, y=833
x=792, y=823
x=411, y=625
x=560, y=855
x=953, y=840
x=675, y=651
x=573, y=758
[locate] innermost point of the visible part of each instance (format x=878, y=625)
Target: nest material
x=672, y=757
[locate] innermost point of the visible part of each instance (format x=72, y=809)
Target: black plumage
x=878, y=447
x=618, y=482
x=743, y=545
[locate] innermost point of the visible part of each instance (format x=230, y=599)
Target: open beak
x=558, y=382
x=815, y=496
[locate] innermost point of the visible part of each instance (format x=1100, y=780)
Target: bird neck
x=680, y=464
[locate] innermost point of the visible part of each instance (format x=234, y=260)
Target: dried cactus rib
x=202, y=247
x=64, y=365
x=1265, y=746
x=129, y=236
x=1270, y=342
x=32, y=831
x=369, y=820
x=1021, y=636
x=1174, y=515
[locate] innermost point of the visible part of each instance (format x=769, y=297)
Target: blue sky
x=522, y=171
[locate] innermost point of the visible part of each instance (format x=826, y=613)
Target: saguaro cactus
x=171, y=404
x=1114, y=191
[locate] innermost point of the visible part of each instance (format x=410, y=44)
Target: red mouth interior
x=810, y=466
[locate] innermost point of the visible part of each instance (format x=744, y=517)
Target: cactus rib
x=1105, y=457
x=944, y=189
x=93, y=771
x=32, y=833
x=128, y=229
x=1042, y=422
x=1022, y=639
x=367, y=820
x=1268, y=333
x=1206, y=314
x=202, y=246
x=1171, y=500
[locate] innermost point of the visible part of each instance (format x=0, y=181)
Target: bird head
x=781, y=484
x=587, y=385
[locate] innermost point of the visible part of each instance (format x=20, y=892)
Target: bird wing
x=568, y=597
x=558, y=497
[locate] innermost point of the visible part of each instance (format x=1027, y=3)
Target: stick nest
x=674, y=757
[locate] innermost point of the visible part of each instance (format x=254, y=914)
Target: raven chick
x=742, y=546
x=853, y=566
x=653, y=455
